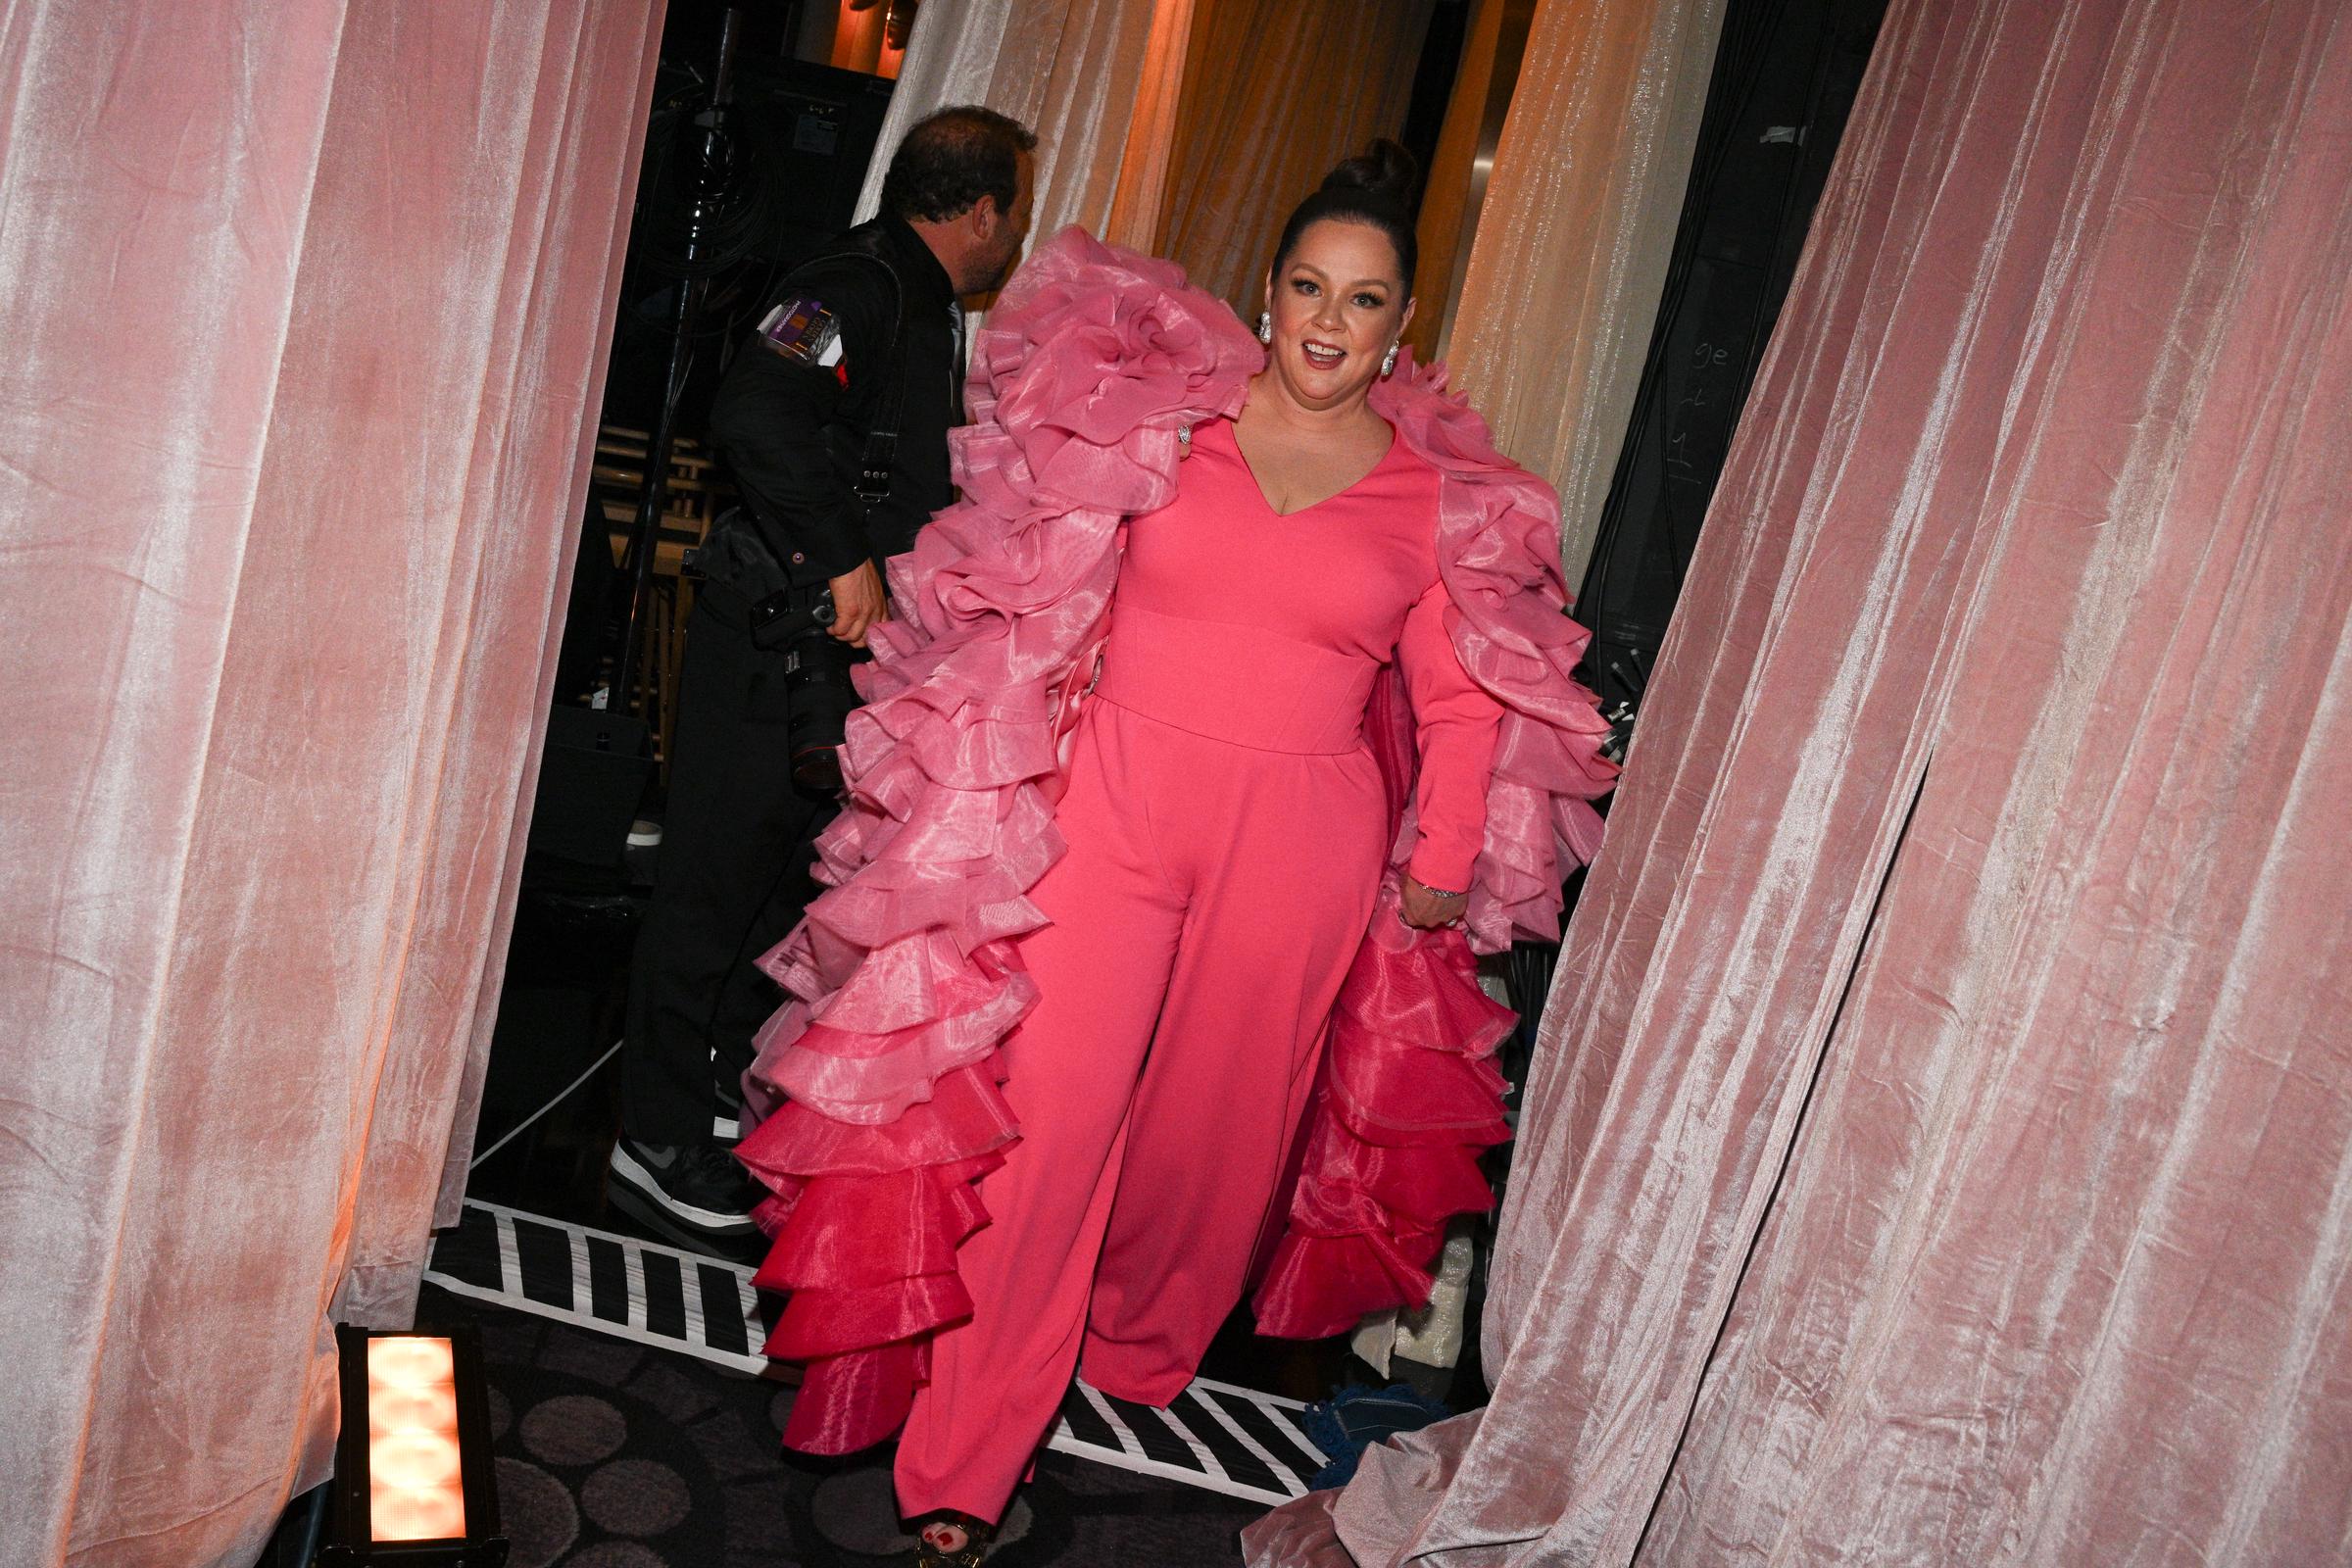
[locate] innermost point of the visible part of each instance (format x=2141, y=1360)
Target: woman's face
x=1338, y=302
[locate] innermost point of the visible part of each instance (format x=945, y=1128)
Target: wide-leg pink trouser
x=1211, y=902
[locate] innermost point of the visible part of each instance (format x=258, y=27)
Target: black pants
x=730, y=881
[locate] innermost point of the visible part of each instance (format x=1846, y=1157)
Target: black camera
x=816, y=677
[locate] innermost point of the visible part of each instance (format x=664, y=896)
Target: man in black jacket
x=833, y=420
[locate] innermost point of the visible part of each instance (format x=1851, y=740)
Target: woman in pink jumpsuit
x=1089, y=1197
x=1226, y=828
x=1227, y=825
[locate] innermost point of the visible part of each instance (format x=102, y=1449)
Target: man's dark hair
x=952, y=159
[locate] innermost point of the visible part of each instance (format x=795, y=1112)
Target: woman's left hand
x=1425, y=910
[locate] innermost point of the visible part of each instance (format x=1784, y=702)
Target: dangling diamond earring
x=1265, y=327
x=1387, y=367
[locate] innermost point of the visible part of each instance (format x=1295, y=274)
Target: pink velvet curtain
x=306, y=318
x=1942, y=1147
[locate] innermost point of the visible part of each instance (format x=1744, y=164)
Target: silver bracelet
x=1440, y=893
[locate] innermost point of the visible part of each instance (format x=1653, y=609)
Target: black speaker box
x=592, y=778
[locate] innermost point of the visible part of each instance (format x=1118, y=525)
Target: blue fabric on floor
x=1356, y=1417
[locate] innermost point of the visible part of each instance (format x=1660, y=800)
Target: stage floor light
x=412, y=1466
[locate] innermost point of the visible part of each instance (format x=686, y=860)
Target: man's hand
x=858, y=603
x=1425, y=910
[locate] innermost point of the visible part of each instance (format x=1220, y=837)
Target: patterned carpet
x=611, y=1454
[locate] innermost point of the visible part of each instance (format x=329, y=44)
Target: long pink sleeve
x=1458, y=725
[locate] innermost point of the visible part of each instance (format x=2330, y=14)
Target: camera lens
x=818, y=771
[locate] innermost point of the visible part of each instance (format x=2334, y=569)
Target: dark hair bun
x=1383, y=172
x=1380, y=186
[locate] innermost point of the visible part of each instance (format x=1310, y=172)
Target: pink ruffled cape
x=880, y=1083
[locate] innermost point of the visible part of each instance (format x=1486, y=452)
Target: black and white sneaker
x=694, y=1194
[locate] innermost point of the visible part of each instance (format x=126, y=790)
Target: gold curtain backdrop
x=1555, y=318
x=1079, y=73
x=1142, y=189
x=1493, y=46
x=1189, y=129
x=1275, y=92
x=1081, y=68
x=1186, y=129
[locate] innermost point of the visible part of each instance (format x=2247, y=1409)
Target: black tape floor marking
x=614, y=1285
x=1216, y=1437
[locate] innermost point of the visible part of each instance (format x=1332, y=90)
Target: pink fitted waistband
x=1240, y=684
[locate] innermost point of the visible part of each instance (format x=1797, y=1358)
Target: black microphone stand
x=712, y=181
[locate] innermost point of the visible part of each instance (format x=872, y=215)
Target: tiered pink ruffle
x=1409, y=1096
x=880, y=1081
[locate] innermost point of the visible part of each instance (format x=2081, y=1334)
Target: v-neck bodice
x=1237, y=622
x=1339, y=575
x=1234, y=433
